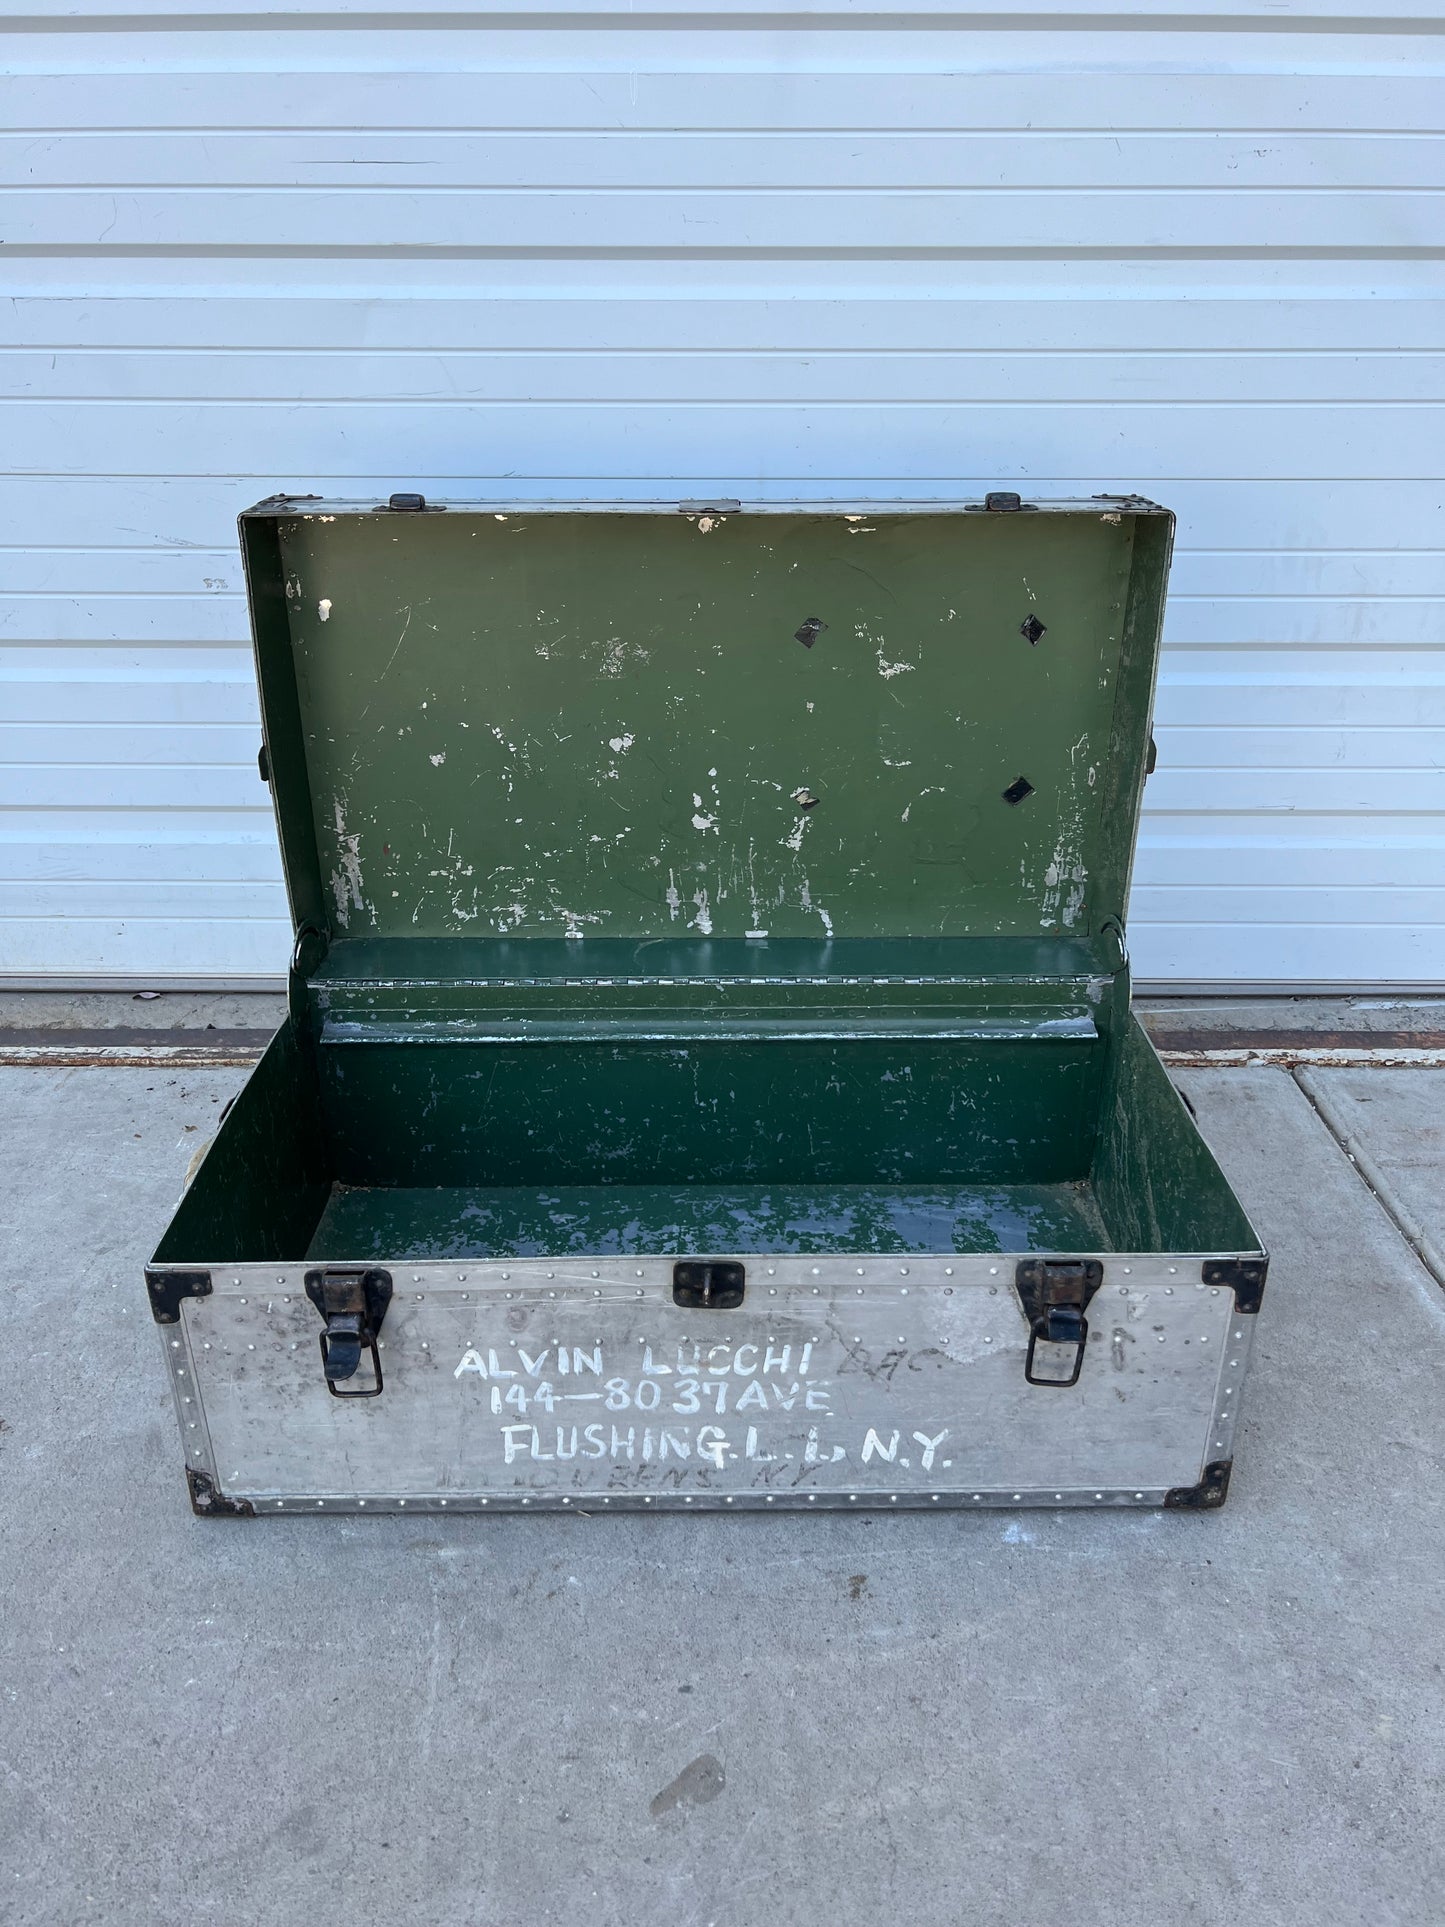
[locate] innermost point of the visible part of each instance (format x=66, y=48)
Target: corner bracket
x=168, y=1288
x=1208, y=1495
x=1244, y=1277
x=207, y=1502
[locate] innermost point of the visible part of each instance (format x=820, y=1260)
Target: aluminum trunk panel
x=843, y=1382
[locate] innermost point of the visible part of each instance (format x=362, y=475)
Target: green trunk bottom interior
x=391, y=1155
x=471, y=1221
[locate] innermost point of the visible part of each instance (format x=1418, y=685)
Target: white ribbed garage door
x=1192, y=249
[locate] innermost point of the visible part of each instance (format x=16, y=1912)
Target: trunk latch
x=1055, y=1294
x=353, y=1303
x=708, y=1284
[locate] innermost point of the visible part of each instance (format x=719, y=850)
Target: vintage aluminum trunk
x=709, y=1077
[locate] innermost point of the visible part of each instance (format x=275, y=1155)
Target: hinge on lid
x=1055, y=1294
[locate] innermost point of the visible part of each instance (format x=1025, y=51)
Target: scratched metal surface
x=873, y=1384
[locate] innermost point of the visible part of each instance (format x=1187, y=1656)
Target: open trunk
x=709, y=1076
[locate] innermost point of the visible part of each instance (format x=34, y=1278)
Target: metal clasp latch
x=353, y=1303
x=709, y=1284
x=1055, y=1294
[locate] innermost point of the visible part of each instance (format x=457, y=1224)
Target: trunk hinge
x=353, y=1303
x=1055, y=1294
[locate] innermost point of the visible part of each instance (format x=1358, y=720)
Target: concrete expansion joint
x=1326, y=1105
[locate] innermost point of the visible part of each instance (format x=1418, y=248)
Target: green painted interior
x=550, y=724
x=534, y=781
x=619, y=1220
x=477, y=1149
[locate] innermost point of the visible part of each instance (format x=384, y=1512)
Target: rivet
x=243, y=1301
x=935, y=1498
x=816, y=1270
x=852, y=1498
x=812, y=1497
x=977, y=1496
x=401, y=1501
x=638, y=1272
x=948, y=1271
x=597, y=1274
x=903, y=1291
x=361, y=1502
x=988, y=1341
x=250, y=1348
x=770, y=1498
x=415, y=1278
x=1017, y=1496
x=1098, y=1495
x=892, y=1498
x=647, y=1498
x=993, y=1271
x=443, y=1501
x=859, y=1270
x=526, y=1502
x=772, y=1270
x=466, y=1294
x=175, y=1344
x=729, y=1499
x=1058, y=1495
x=1138, y=1495
x=425, y=1346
